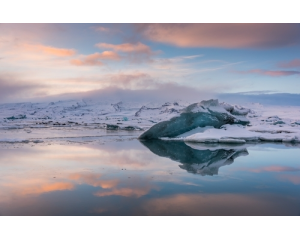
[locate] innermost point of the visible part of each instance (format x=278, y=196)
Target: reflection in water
x=125, y=178
x=204, y=162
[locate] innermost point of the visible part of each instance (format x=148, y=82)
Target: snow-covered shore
x=265, y=123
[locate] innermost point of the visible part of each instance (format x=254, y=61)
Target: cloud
x=11, y=88
x=127, y=47
x=137, y=80
x=279, y=99
x=61, y=52
x=112, y=30
x=28, y=32
x=123, y=86
x=291, y=64
x=95, y=59
x=162, y=93
x=133, y=86
x=100, y=29
x=222, y=35
x=269, y=72
x=133, y=52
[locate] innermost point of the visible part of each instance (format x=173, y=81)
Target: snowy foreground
x=223, y=123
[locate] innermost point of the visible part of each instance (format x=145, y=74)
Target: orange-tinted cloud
x=291, y=64
x=127, y=47
x=95, y=59
x=94, y=180
x=222, y=35
x=137, y=52
x=62, y=52
x=48, y=187
x=269, y=72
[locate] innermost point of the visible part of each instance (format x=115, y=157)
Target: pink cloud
x=57, y=51
x=269, y=72
x=290, y=178
x=49, y=50
x=101, y=29
x=222, y=35
x=95, y=59
x=275, y=169
x=127, y=47
x=291, y=64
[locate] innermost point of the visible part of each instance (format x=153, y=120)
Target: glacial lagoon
x=116, y=174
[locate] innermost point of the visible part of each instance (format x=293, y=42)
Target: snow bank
x=239, y=134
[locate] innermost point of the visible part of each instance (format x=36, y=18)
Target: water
x=124, y=176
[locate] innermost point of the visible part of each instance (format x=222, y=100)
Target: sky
x=149, y=61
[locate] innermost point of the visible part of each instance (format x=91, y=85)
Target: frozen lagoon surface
x=89, y=169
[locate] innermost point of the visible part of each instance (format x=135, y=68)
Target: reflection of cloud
x=290, y=178
x=93, y=180
x=221, y=204
x=125, y=192
x=48, y=187
x=133, y=187
x=222, y=35
x=275, y=169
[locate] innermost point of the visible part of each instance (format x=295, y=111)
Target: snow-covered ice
x=221, y=122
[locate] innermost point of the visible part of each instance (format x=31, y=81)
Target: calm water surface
x=149, y=178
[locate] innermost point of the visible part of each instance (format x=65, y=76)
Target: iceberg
x=203, y=114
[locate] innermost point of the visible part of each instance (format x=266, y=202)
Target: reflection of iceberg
x=205, y=161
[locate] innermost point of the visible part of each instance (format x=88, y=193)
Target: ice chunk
x=231, y=140
x=15, y=117
x=205, y=113
x=112, y=127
